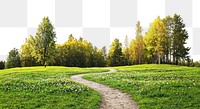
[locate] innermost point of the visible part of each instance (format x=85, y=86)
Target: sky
x=98, y=21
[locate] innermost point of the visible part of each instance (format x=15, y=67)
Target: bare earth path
x=111, y=98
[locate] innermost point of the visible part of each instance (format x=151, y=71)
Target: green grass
x=39, y=87
x=156, y=86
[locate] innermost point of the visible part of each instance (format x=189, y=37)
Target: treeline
x=163, y=43
x=42, y=50
x=73, y=53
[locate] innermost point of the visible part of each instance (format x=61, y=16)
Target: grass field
x=39, y=87
x=156, y=86
x=152, y=86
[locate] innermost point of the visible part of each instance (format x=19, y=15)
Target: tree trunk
x=139, y=60
x=176, y=61
x=170, y=57
x=159, y=59
x=167, y=58
x=44, y=58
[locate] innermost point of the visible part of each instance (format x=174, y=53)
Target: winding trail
x=111, y=98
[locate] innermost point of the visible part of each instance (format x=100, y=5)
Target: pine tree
x=179, y=37
x=167, y=45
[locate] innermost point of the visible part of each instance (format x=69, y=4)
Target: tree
x=126, y=51
x=103, y=56
x=26, y=52
x=133, y=53
x=59, y=55
x=44, y=42
x=139, y=42
x=167, y=45
x=98, y=58
x=77, y=52
x=13, y=59
x=115, y=56
x=154, y=40
x=2, y=64
x=104, y=53
x=137, y=46
x=179, y=37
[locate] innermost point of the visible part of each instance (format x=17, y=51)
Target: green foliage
x=39, y=87
x=167, y=45
x=115, y=56
x=73, y=53
x=164, y=42
x=98, y=59
x=156, y=86
x=175, y=41
x=13, y=59
x=2, y=64
x=79, y=53
x=44, y=42
x=26, y=53
x=179, y=37
x=42, y=50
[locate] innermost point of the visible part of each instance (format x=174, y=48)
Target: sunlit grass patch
x=39, y=87
x=156, y=86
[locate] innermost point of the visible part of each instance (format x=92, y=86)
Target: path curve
x=111, y=98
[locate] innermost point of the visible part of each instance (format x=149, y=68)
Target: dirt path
x=111, y=98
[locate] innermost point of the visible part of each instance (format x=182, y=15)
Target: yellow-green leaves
x=155, y=38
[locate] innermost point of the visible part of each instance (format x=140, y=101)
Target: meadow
x=156, y=86
x=151, y=86
x=39, y=87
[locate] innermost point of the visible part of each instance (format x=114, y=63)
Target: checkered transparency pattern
x=68, y=13
x=196, y=29
x=180, y=7
x=148, y=10
x=13, y=13
x=97, y=36
x=123, y=13
x=196, y=41
x=98, y=21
